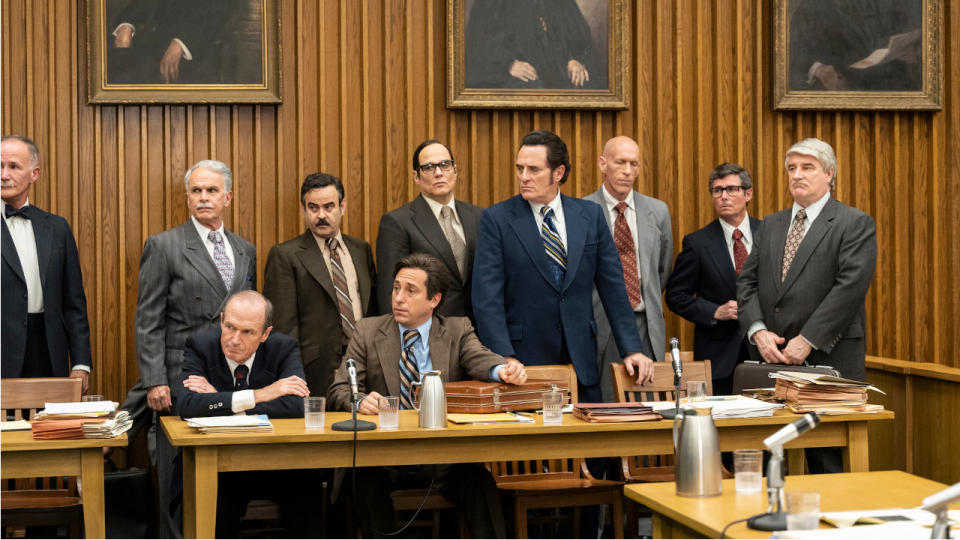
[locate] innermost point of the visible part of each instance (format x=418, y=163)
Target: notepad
x=80, y=408
x=14, y=425
x=489, y=418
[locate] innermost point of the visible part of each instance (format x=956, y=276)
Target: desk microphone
x=352, y=377
x=353, y=424
x=792, y=430
x=675, y=353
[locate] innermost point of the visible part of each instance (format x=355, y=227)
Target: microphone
x=938, y=504
x=675, y=353
x=792, y=431
x=352, y=377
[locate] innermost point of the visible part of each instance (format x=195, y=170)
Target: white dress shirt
x=242, y=399
x=204, y=233
x=744, y=228
x=558, y=220
x=21, y=230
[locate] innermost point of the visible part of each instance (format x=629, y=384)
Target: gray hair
x=726, y=169
x=819, y=150
x=31, y=147
x=211, y=165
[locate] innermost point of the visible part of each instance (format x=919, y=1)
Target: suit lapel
x=424, y=220
x=387, y=343
x=645, y=247
x=9, y=250
x=525, y=227
x=196, y=254
x=576, y=225
x=41, y=235
x=470, y=234
x=359, y=255
x=818, y=230
x=720, y=255
x=440, y=348
x=241, y=261
x=312, y=259
x=775, y=235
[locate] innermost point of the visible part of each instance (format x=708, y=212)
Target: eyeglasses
x=717, y=192
x=445, y=166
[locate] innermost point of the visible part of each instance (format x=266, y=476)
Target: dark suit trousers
x=296, y=492
x=469, y=486
x=36, y=359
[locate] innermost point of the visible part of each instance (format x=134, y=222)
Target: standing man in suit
x=800, y=296
x=241, y=368
x=45, y=329
x=539, y=257
x=391, y=351
x=186, y=275
x=703, y=285
x=321, y=282
x=641, y=232
x=433, y=223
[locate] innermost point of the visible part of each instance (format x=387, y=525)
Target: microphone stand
x=671, y=414
x=775, y=519
x=354, y=424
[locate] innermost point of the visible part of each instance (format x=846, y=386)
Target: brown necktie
x=739, y=251
x=340, y=284
x=628, y=256
x=456, y=243
x=793, y=242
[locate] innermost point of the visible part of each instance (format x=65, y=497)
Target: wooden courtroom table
x=290, y=446
x=692, y=517
x=24, y=457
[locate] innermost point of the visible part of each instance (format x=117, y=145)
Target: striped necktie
x=409, y=373
x=556, y=254
x=344, y=304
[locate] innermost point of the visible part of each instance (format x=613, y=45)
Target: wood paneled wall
x=364, y=82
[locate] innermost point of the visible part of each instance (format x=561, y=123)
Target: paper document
x=489, y=418
x=737, y=407
x=80, y=408
x=14, y=425
x=878, y=517
x=892, y=531
x=240, y=420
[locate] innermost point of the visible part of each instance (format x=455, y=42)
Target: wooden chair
x=39, y=501
x=552, y=483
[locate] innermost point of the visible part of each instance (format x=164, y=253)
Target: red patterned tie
x=628, y=256
x=739, y=251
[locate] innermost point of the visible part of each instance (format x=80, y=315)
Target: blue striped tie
x=409, y=373
x=556, y=254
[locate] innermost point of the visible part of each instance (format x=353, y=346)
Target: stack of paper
x=69, y=420
x=823, y=394
x=109, y=427
x=737, y=407
x=489, y=418
x=619, y=412
x=240, y=423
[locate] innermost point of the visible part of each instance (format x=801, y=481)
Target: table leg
x=796, y=461
x=91, y=480
x=856, y=455
x=199, y=491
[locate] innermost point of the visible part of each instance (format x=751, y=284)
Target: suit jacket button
x=210, y=406
x=776, y=309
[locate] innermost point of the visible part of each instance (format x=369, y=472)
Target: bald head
x=620, y=166
x=251, y=304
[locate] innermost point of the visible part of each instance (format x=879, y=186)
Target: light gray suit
x=180, y=294
x=655, y=250
x=822, y=297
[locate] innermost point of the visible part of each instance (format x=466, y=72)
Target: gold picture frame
x=232, y=54
x=471, y=83
x=903, y=72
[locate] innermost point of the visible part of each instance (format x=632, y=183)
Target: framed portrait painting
x=183, y=51
x=570, y=54
x=857, y=54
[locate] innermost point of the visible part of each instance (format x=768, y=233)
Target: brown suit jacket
x=455, y=351
x=297, y=281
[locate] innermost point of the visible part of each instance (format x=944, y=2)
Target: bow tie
x=10, y=211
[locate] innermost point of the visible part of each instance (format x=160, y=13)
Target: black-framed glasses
x=445, y=166
x=717, y=192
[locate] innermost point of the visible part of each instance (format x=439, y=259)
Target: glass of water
x=552, y=407
x=388, y=407
x=803, y=510
x=747, y=463
x=313, y=409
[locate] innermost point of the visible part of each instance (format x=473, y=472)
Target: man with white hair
x=800, y=295
x=186, y=275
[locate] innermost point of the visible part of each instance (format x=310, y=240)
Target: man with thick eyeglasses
x=433, y=223
x=800, y=296
x=703, y=285
x=641, y=230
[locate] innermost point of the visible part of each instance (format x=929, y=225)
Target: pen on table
x=722, y=398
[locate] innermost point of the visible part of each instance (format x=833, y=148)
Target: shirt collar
x=204, y=232
x=744, y=228
x=813, y=210
x=233, y=365
x=555, y=204
x=436, y=207
x=424, y=330
x=322, y=242
x=612, y=202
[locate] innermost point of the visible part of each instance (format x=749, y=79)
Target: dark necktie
x=628, y=256
x=240, y=377
x=409, y=373
x=339, y=276
x=556, y=253
x=10, y=211
x=793, y=242
x=739, y=251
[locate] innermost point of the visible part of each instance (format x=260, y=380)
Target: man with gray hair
x=186, y=275
x=801, y=293
x=703, y=285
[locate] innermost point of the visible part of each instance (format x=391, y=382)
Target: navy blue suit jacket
x=703, y=278
x=277, y=358
x=520, y=311
x=64, y=302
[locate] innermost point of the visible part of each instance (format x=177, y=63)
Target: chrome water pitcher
x=697, y=454
x=433, y=401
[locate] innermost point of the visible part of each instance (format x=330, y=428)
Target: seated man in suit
x=387, y=364
x=241, y=368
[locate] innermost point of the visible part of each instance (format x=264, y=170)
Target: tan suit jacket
x=297, y=281
x=455, y=351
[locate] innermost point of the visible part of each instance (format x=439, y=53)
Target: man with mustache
x=186, y=275
x=321, y=282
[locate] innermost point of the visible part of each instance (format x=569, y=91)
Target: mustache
x=321, y=222
x=204, y=206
